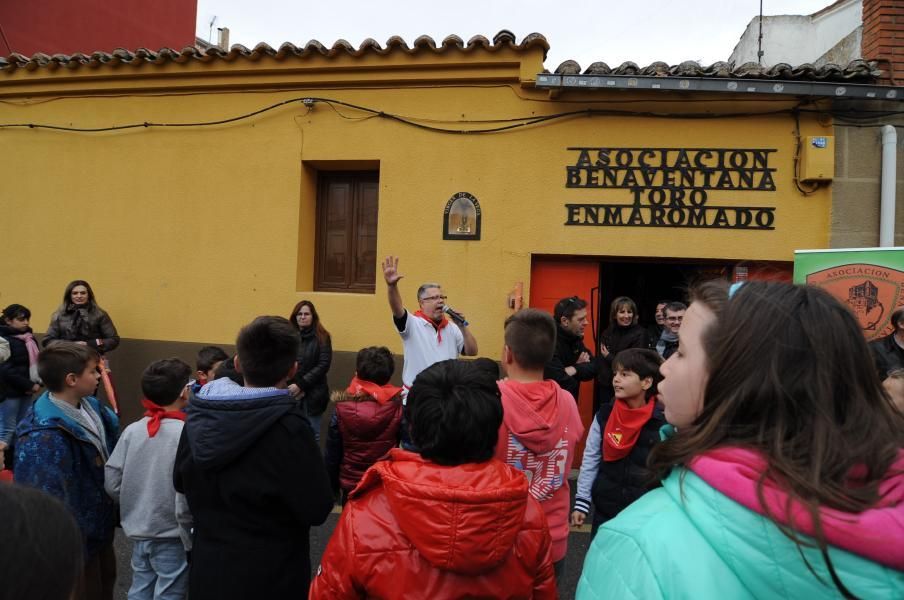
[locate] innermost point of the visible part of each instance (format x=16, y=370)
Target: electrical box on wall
x=817, y=158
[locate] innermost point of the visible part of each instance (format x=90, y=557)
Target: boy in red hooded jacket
x=541, y=425
x=450, y=522
x=365, y=424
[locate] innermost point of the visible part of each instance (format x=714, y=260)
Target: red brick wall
x=66, y=27
x=883, y=37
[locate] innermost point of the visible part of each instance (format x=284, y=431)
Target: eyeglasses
x=434, y=298
x=674, y=319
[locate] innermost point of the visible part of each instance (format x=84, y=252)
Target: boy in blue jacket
x=63, y=443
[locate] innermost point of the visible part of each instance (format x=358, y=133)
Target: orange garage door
x=552, y=279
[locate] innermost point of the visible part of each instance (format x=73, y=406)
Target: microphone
x=455, y=315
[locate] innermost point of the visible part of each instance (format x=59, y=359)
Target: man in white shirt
x=428, y=336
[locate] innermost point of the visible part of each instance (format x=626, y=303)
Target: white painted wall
x=798, y=39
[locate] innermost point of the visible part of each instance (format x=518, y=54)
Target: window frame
x=356, y=180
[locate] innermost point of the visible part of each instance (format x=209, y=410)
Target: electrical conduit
x=887, y=193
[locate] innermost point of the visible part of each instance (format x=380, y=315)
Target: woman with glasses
x=315, y=354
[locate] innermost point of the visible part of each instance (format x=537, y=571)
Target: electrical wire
x=516, y=91
x=508, y=124
x=512, y=123
x=148, y=124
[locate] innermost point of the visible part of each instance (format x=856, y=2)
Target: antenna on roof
x=759, y=43
x=210, y=31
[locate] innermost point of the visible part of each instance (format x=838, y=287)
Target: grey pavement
x=578, y=542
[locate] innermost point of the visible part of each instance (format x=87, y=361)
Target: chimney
x=223, y=37
x=883, y=38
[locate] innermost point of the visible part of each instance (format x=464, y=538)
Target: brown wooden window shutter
x=346, y=237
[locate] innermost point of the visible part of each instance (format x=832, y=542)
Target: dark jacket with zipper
x=255, y=482
x=86, y=324
x=618, y=483
x=568, y=348
x=314, y=359
x=618, y=338
x=15, y=371
x=361, y=432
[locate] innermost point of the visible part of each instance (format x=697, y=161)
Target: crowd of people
x=746, y=445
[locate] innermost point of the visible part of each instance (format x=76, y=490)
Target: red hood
x=875, y=533
x=462, y=519
x=537, y=419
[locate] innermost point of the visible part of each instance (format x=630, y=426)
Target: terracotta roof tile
x=424, y=43
x=859, y=70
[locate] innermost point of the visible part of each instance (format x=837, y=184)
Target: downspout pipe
x=887, y=193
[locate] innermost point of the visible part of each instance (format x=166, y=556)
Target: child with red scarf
x=139, y=475
x=613, y=471
x=366, y=422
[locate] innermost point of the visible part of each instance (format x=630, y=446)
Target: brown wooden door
x=346, y=259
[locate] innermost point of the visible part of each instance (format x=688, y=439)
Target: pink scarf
x=875, y=533
x=32, y=346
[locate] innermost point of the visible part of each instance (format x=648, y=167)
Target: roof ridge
x=423, y=43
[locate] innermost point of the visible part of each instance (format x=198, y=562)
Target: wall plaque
x=461, y=218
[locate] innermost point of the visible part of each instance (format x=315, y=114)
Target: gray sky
x=642, y=31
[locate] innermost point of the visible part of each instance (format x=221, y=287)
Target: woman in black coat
x=622, y=333
x=315, y=354
x=79, y=319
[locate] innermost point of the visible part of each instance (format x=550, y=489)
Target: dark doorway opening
x=649, y=282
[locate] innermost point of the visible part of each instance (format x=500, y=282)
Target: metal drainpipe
x=887, y=195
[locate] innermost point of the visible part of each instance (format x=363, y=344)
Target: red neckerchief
x=438, y=326
x=623, y=428
x=380, y=393
x=157, y=413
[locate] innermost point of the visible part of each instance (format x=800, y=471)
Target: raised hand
x=391, y=270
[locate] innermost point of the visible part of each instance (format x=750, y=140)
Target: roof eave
x=768, y=87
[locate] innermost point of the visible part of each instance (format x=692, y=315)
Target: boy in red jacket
x=449, y=522
x=365, y=424
x=541, y=425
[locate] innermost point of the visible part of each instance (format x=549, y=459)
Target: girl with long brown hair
x=79, y=319
x=315, y=354
x=784, y=472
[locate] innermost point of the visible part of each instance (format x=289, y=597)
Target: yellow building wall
x=188, y=233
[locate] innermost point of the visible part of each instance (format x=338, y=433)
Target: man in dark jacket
x=888, y=352
x=253, y=475
x=572, y=362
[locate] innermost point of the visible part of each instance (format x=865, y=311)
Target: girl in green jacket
x=784, y=473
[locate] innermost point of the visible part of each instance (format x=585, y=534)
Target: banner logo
x=872, y=293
